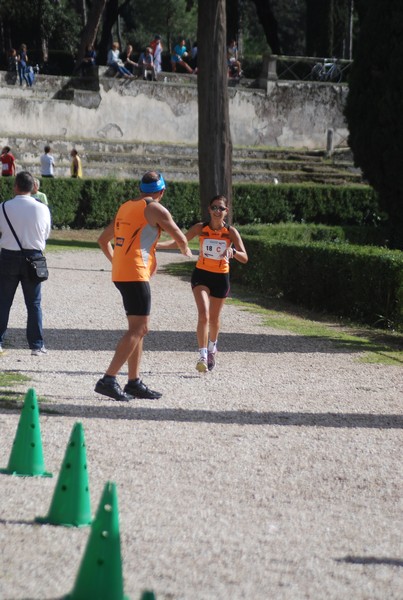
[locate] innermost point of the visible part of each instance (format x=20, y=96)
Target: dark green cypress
x=374, y=108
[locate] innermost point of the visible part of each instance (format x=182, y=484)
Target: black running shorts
x=136, y=296
x=217, y=283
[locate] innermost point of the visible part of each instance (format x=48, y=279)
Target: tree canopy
x=291, y=27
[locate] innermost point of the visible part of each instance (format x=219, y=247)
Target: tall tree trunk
x=110, y=18
x=215, y=147
x=90, y=30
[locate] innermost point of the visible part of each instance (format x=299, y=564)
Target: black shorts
x=217, y=283
x=136, y=296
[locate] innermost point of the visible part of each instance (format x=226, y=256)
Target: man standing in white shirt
x=31, y=222
x=47, y=163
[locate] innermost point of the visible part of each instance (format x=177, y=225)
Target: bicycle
x=326, y=71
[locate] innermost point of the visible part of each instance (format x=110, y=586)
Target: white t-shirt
x=31, y=222
x=47, y=164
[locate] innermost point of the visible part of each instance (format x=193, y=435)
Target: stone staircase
x=179, y=162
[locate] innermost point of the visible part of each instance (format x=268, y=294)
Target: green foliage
x=337, y=234
x=362, y=283
x=92, y=203
x=333, y=205
x=374, y=108
x=64, y=199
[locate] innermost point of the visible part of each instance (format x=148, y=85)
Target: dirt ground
x=276, y=476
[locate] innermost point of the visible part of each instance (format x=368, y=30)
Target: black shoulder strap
x=11, y=227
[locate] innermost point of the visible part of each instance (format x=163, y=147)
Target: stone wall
x=286, y=114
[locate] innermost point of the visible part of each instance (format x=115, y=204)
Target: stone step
x=180, y=161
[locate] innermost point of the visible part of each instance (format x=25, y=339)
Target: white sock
x=212, y=346
x=203, y=353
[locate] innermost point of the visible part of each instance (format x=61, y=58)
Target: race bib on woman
x=214, y=249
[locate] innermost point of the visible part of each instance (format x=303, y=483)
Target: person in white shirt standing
x=31, y=222
x=47, y=163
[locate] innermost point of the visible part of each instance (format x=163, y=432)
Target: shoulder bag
x=37, y=267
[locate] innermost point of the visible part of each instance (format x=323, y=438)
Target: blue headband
x=153, y=186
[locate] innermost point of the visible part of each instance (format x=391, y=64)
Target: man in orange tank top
x=136, y=230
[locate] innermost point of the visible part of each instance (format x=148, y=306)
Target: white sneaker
x=201, y=365
x=1, y=349
x=39, y=351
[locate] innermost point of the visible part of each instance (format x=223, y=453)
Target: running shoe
x=211, y=360
x=38, y=351
x=138, y=389
x=112, y=389
x=201, y=365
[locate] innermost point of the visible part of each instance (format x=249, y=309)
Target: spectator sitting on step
x=179, y=53
x=116, y=62
x=89, y=61
x=146, y=63
x=128, y=60
x=234, y=66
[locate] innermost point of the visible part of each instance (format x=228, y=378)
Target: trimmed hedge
x=92, y=203
x=308, y=232
x=359, y=282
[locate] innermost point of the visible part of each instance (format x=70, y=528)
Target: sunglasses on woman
x=220, y=208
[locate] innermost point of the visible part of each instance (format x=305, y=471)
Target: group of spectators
x=17, y=64
x=148, y=65
x=47, y=165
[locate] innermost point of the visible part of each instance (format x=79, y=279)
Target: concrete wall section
x=289, y=114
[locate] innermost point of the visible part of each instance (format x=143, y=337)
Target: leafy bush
x=360, y=282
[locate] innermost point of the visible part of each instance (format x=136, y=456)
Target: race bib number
x=214, y=249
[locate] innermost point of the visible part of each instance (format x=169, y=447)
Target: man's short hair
x=24, y=181
x=47, y=149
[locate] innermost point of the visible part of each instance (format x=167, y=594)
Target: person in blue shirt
x=22, y=65
x=179, y=53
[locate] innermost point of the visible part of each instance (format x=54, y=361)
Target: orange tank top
x=213, y=245
x=135, y=241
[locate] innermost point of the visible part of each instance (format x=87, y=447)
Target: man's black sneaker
x=112, y=389
x=139, y=389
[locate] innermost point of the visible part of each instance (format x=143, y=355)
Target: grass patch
x=12, y=400
x=376, y=346
x=73, y=239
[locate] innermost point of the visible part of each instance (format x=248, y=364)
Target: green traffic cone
x=26, y=458
x=100, y=573
x=70, y=505
x=148, y=595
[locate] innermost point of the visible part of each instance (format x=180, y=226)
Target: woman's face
x=217, y=208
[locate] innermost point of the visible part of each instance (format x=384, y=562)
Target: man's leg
x=131, y=343
x=9, y=280
x=32, y=297
x=138, y=328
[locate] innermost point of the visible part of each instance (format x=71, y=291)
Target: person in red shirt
x=7, y=162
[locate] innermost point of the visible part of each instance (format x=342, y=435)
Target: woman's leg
x=216, y=305
x=202, y=298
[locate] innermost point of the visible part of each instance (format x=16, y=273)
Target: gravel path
x=277, y=476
